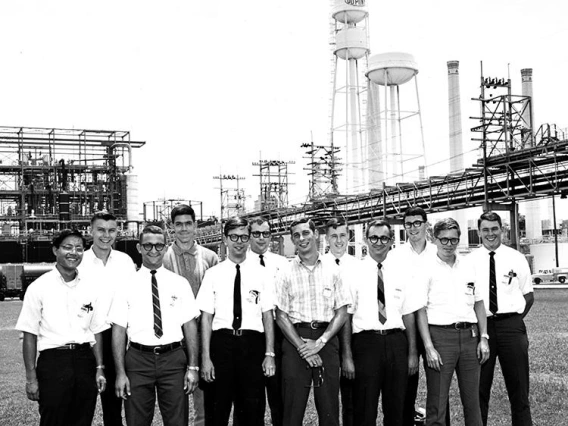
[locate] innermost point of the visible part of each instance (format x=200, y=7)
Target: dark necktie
x=381, y=295
x=337, y=261
x=156, y=304
x=493, y=306
x=237, y=308
x=261, y=259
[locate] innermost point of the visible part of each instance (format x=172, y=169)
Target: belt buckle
x=238, y=332
x=313, y=325
x=156, y=350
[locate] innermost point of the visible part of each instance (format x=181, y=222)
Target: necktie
x=337, y=261
x=237, y=308
x=158, y=332
x=493, y=306
x=261, y=259
x=381, y=295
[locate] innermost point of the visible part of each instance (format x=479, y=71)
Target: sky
x=213, y=86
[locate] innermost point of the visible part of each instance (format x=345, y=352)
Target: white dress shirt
x=513, y=278
x=348, y=269
x=133, y=308
x=400, y=299
x=216, y=294
x=60, y=312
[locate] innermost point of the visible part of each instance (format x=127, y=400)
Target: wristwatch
x=485, y=335
x=323, y=341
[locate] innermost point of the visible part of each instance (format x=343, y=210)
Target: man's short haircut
x=152, y=229
x=58, y=239
x=307, y=220
x=182, y=209
x=491, y=217
x=415, y=211
x=446, y=225
x=106, y=216
x=259, y=221
x=378, y=222
x=234, y=223
x=335, y=222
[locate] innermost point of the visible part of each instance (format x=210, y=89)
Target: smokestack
x=528, y=115
x=454, y=109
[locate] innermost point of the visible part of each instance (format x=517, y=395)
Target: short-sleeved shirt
x=513, y=278
x=216, y=295
x=191, y=263
x=107, y=278
x=399, y=298
x=451, y=292
x=349, y=267
x=133, y=308
x=60, y=312
x=311, y=293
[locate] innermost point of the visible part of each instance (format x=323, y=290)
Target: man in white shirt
x=62, y=319
x=337, y=238
x=157, y=309
x=108, y=269
x=237, y=332
x=504, y=281
x=453, y=326
x=261, y=237
x=384, y=333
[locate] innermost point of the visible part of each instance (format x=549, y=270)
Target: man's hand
x=122, y=386
x=207, y=370
x=309, y=347
x=412, y=364
x=314, y=361
x=433, y=358
x=32, y=390
x=190, y=381
x=269, y=366
x=483, y=350
x=348, y=368
x=101, y=380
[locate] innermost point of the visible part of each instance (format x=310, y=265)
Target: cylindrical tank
x=349, y=11
x=400, y=68
x=351, y=43
x=132, y=207
x=64, y=207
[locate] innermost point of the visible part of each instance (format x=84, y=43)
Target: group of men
x=229, y=332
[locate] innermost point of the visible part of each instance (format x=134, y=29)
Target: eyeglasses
x=150, y=246
x=69, y=247
x=257, y=234
x=446, y=241
x=415, y=224
x=384, y=240
x=235, y=237
x=317, y=377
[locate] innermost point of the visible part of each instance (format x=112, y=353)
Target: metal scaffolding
x=273, y=183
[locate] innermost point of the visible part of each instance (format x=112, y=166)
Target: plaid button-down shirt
x=311, y=294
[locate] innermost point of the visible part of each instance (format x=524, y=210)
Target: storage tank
x=391, y=69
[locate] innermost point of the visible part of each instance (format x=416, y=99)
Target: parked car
x=559, y=274
x=541, y=278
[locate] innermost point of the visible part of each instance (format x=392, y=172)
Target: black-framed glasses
x=415, y=224
x=235, y=237
x=446, y=241
x=383, y=239
x=71, y=247
x=150, y=246
x=257, y=234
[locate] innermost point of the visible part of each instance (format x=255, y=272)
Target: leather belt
x=457, y=325
x=156, y=350
x=503, y=316
x=239, y=332
x=74, y=346
x=313, y=324
x=382, y=332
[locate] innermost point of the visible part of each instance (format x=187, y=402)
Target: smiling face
x=490, y=233
x=378, y=251
x=237, y=249
x=338, y=240
x=184, y=228
x=447, y=252
x=304, y=239
x=104, y=234
x=152, y=259
x=259, y=245
x=69, y=254
x=415, y=235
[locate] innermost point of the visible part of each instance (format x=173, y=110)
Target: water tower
x=349, y=20
x=398, y=159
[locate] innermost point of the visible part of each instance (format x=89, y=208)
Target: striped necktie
x=493, y=305
x=158, y=332
x=381, y=294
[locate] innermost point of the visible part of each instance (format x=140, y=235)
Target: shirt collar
x=70, y=284
x=178, y=251
x=300, y=262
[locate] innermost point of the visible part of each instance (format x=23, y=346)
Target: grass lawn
x=547, y=326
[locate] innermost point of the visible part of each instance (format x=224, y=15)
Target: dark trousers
x=67, y=387
x=297, y=381
x=381, y=367
x=508, y=340
x=149, y=373
x=239, y=380
x=346, y=391
x=412, y=389
x=111, y=404
x=274, y=383
x=458, y=350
